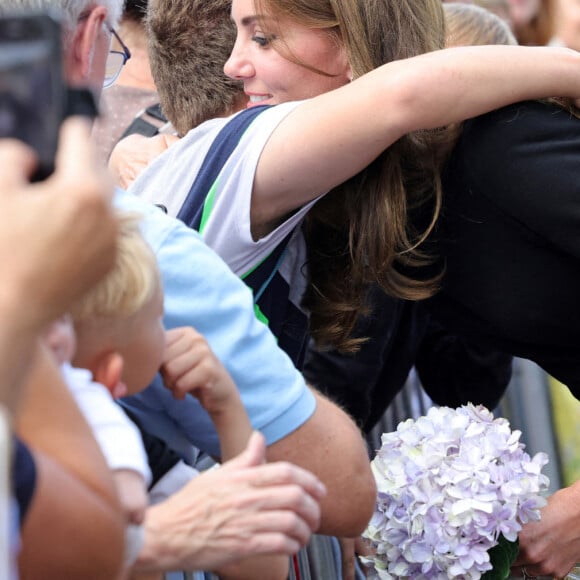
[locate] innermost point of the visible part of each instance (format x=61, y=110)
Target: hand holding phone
x=32, y=88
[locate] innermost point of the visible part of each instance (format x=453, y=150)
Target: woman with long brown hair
x=294, y=153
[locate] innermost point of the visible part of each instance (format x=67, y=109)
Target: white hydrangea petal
x=448, y=485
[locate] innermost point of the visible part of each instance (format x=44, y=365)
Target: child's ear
x=108, y=372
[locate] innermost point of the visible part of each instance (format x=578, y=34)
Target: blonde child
x=121, y=341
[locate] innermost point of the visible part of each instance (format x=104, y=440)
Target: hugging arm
x=309, y=153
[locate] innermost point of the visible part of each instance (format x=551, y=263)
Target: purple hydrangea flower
x=449, y=483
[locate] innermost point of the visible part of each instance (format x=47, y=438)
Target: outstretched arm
x=63, y=229
x=332, y=137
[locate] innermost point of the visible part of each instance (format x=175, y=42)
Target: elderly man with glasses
x=131, y=96
x=116, y=60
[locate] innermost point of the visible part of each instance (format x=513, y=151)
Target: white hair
x=70, y=10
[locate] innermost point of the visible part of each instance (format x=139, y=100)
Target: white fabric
x=118, y=437
x=176, y=478
x=168, y=178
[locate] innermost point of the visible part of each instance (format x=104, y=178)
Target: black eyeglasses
x=115, y=61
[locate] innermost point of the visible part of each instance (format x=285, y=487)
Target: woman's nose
x=238, y=66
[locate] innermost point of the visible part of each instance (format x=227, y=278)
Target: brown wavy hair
x=371, y=229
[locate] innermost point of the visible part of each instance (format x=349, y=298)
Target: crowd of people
x=349, y=191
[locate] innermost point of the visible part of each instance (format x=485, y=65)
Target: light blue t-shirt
x=201, y=291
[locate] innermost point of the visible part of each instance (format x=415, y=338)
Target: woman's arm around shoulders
x=330, y=138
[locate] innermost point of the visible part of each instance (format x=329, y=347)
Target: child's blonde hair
x=129, y=285
x=469, y=24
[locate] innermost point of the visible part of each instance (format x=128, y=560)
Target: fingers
x=174, y=334
x=190, y=366
x=18, y=163
x=272, y=543
x=282, y=473
x=292, y=499
x=76, y=155
x=181, y=340
x=279, y=486
x=256, y=449
x=253, y=455
x=184, y=347
x=276, y=532
x=347, y=553
x=273, y=486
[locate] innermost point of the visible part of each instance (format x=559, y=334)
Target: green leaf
x=501, y=558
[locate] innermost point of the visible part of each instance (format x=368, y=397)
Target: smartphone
x=32, y=88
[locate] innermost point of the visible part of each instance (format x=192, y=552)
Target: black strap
x=216, y=157
x=148, y=122
x=81, y=102
x=271, y=292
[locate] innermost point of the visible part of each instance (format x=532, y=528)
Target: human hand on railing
x=244, y=508
x=350, y=550
x=551, y=546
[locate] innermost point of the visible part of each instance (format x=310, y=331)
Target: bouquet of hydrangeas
x=454, y=488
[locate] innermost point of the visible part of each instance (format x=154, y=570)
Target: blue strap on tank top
x=271, y=292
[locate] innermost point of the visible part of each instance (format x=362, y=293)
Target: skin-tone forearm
x=48, y=268
x=75, y=521
x=18, y=343
x=375, y=110
x=331, y=446
x=233, y=427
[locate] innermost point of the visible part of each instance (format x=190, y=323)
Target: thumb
x=254, y=454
